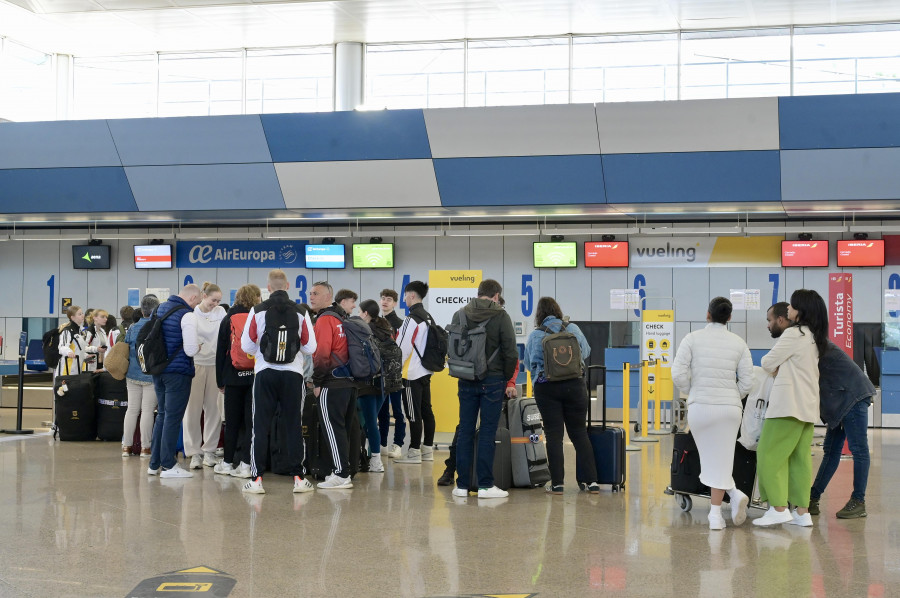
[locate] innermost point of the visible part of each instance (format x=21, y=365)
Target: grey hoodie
x=499, y=332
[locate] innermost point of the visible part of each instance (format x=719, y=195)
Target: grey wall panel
x=816, y=175
x=347, y=278
x=698, y=125
x=682, y=329
x=759, y=278
x=721, y=281
x=72, y=283
x=11, y=266
x=793, y=280
x=375, y=183
x=42, y=260
x=165, y=279
x=487, y=254
x=453, y=252
x=602, y=280
x=868, y=296
x=372, y=281
x=815, y=279
x=573, y=287
x=415, y=256
x=739, y=328
x=692, y=283
x=235, y=278
x=103, y=285
x=512, y=131
x=60, y=144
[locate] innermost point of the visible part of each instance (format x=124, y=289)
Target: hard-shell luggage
x=76, y=414
x=608, y=444
x=527, y=451
x=112, y=403
x=502, y=460
x=685, y=470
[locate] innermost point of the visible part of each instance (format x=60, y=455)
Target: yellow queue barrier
x=646, y=391
x=626, y=406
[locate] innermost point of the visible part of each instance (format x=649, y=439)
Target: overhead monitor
x=860, y=253
x=152, y=256
x=373, y=255
x=555, y=255
x=90, y=257
x=613, y=254
x=801, y=254
x=320, y=257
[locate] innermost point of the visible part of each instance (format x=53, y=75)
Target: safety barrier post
x=641, y=426
x=658, y=428
x=626, y=406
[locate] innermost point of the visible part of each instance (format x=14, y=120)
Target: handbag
x=116, y=361
x=755, y=412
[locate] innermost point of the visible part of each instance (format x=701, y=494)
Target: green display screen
x=555, y=255
x=373, y=255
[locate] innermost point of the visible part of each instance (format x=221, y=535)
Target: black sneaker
x=447, y=478
x=813, y=507
x=852, y=510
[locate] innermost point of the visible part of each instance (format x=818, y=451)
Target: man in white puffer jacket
x=714, y=367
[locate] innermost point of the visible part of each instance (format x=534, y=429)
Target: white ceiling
x=104, y=27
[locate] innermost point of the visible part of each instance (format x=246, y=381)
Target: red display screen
x=612, y=254
x=860, y=253
x=804, y=253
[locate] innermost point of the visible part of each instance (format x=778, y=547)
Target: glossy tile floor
x=79, y=520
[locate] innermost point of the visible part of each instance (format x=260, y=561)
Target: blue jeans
x=384, y=419
x=484, y=397
x=172, y=392
x=369, y=405
x=855, y=428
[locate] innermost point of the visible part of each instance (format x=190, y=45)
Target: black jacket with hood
x=499, y=333
x=226, y=374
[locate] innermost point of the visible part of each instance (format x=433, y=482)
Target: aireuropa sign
x=240, y=254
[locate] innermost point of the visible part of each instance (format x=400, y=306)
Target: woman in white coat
x=714, y=367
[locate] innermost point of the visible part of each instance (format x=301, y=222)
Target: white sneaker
x=716, y=521
x=461, y=492
x=224, y=468
x=175, y=472
x=413, y=457
x=301, y=485
x=242, y=471
x=773, y=517
x=801, y=520
x=395, y=452
x=427, y=453
x=197, y=461
x=375, y=464
x=254, y=487
x=333, y=482
x=739, y=503
x=209, y=459
x=220, y=452
x=151, y=471
x=492, y=492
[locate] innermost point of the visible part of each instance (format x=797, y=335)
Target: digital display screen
x=804, y=253
x=860, y=253
x=324, y=256
x=90, y=257
x=613, y=254
x=373, y=255
x=555, y=255
x=152, y=256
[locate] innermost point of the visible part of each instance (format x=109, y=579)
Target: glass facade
x=27, y=83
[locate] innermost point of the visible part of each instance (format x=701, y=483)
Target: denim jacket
x=842, y=384
x=534, y=351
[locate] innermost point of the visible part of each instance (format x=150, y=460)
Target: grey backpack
x=562, y=354
x=466, y=357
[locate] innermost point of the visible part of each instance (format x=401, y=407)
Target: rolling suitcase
x=316, y=449
x=528, y=454
x=685, y=470
x=76, y=413
x=502, y=460
x=608, y=444
x=112, y=403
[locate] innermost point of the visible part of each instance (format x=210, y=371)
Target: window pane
x=732, y=64
x=414, y=75
x=27, y=84
x=200, y=84
x=853, y=59
x=115, y=87
x=290, y=80
x=518, y=71
x=625, y=68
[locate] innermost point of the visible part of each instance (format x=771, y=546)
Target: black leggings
x=564, y=404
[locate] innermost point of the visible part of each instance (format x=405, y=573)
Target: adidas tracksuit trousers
x=272, y=388
x=338, y=406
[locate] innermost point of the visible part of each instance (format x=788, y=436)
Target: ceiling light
x=39, y=236
x=790, y=230
x=363, y=233
x=631, y=230
x=692, y=230
x=495, y=232
x=136, y=236
x=218, y=236
x=875, y=228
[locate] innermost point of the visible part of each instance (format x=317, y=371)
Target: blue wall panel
x=692, y=177
x=528, y=180
x=58, y=190
x=190, y=140
x=844, y=121
x=206, y=187
x=334, y=136
x=840, y=174
x=62, y=144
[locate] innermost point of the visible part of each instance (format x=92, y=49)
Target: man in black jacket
x=395, y=403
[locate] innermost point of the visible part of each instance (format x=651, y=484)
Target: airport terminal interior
x=632, y=160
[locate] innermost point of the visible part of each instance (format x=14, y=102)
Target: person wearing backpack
x=173, y=385
x=394, y=400
x=141, y=393
x=234, y=377
x=483, y=394
x=413, y=341
x=554, y=353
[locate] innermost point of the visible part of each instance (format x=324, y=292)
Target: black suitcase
x=528, y=454
x=76, y=414
x=608, y=444
x=316, y=449
x=685, y=468
x=112, y=403
x=502, y=460
x=279, y=460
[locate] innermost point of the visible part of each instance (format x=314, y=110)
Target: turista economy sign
x=240, y=254
x=705, y=252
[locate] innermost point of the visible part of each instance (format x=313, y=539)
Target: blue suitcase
x=608, y=444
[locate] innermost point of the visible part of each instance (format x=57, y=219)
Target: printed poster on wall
x=449, y=290
x=840, y=311
x=705, y=252
x=240, y=254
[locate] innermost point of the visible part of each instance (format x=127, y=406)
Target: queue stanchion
x=641, y=426
x=23, y=343
x=658, y=428
x=626, y=406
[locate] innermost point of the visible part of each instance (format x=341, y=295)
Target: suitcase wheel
x=684, y=501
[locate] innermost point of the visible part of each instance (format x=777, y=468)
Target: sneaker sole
x=741, y=516
x=341, y=487
x=253, y=490
x=175, y=477
x=857, y=516
x=404, y=462
x=303, y=489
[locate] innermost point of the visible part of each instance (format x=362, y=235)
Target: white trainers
x=301, y=485
x=224, y=468
x=254, y=487
x=197, y=461
x=492, y=492
x=716, y=521
x=375, y=464
x=175, y=472
x=220, y=452
x=395, y=451
x=242, y=471
x=427, y=453
x=460, y=492
x=333, y=482
x=739, y=503
x=773, y=517
x=413, y=457
x=804, y=520
x=209, y=459
x=151, y=471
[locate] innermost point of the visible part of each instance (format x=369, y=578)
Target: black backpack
x=434, y=358
x=50, y=346
x=280, y=340
x=152, y=354
x=391, y=365
x=364, y=357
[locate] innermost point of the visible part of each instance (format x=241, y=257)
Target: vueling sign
x=668, y=252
